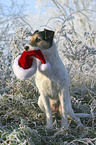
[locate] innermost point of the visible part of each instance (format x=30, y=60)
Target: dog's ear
x=48, y=34
x=36, y=32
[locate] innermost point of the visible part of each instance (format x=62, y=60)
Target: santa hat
x=25, y=65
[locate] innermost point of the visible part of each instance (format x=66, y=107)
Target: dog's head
x=42, y=39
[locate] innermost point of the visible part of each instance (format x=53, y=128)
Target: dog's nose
x=26, y=48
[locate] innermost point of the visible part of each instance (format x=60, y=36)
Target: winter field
x=21, y=120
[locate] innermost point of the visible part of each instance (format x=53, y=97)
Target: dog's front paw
x=49, y=126
x=64, y=125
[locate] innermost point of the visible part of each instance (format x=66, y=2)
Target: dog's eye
x=38, y=39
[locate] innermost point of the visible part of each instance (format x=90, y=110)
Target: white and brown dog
x=54, y=84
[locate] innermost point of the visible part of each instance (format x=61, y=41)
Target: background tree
x=12, y=17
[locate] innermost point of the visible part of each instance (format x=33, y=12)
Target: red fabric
x=25, y=60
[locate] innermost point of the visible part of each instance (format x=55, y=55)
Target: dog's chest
x=47, y=87
x=52, y=89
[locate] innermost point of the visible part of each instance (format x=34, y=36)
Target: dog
x=54, y=84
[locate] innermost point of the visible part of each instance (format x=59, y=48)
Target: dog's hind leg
x=64, y=119
x=70, y=111
x=44, y=105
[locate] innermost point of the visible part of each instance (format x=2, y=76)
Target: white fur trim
x=32, y=47
x=21, y=73
x=45, y=67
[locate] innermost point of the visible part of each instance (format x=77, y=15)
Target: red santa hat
x=25, y=65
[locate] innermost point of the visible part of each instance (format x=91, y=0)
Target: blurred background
x=74, y=23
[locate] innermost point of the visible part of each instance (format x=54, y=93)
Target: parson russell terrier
x=54, y=84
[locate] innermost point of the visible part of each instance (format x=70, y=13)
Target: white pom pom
x=45, y=67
